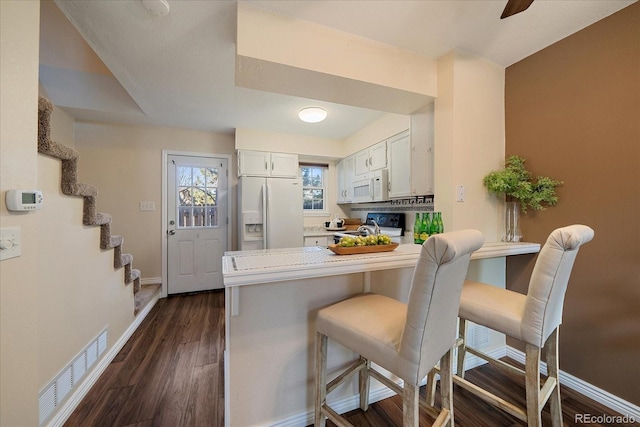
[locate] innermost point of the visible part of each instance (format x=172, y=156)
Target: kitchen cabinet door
x=400, y=165
x=378, y=156
x=345, y=169
x=321, y=241
x=422, y=156
x=362, y=162
x=284, y=165
x=371, y=159
x=411, y=157
x=262, y=163
x=253, y=163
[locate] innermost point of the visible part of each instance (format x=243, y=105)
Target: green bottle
x=424, y=227
x=440, y=223
x=416, y=230
x=434, y=224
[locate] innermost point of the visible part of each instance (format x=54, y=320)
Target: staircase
x=71, y=187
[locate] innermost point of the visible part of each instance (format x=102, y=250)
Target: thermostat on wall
x=24, y=200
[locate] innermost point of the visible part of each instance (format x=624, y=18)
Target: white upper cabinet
x=399, y=165
x=345, y=172
x=262, y=163
x=411, y=157
x=284, y=165
x=378, y=157
x=371, y=159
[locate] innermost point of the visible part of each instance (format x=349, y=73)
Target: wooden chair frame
x=411, y=404
x=536, y=396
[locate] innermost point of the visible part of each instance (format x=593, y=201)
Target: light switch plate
x=10, y=242
x=147, y=206
x=460, y=193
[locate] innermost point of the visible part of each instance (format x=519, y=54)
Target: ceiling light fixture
x=312, y=114
x=157, y=7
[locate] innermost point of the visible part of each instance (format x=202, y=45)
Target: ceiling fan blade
x=515, y=6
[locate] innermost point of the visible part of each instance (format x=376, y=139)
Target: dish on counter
x=342, y=250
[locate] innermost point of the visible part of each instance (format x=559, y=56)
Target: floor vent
x=480, y=336
x=54, y=393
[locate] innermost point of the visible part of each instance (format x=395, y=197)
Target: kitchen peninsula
x=272, y=298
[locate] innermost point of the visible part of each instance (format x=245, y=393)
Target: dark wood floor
x=170, y=373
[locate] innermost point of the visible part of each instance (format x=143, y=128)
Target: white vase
x=512, y=231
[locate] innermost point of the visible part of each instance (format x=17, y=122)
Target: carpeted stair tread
x=130, y=274
x=58, y=151
x=124, y=260
x=79, y=189
x=146, y=294
x=71, y=187
x=137, y=283
x=102, y=219
x=105, y=235
x=114, y=242
x=133, y=275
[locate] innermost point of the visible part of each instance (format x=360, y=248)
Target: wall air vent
x=60, y=388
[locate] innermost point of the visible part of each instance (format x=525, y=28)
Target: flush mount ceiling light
x=312, y=114
x=157, y=7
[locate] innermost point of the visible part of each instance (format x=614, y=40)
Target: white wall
x=19, y=47
x=280, y=54
x=125, y=164
x=388, y=125
x=80, y=293
x=278, y=142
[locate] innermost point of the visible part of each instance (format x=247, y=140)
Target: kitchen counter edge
x=405, y=255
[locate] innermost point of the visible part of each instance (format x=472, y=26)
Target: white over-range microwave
x=371, y=187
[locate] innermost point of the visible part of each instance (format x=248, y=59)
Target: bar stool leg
x=321, y=379
x=551, y=355
x=431, y=388
x=446, y=385
x=532, y=384
x=410, y=407
x=462, y=348
x=364, y=383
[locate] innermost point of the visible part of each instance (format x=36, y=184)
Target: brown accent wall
x=573, y=111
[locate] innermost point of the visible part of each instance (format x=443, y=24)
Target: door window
x=197, y=196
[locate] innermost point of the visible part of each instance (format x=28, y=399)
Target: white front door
x=196, y=222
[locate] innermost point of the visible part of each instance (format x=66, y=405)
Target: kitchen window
x=314, y=188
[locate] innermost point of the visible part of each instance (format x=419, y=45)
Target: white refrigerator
x=270, y=213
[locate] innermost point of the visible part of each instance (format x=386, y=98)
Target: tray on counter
x=341, y=250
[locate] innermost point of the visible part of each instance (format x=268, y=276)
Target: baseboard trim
x=340, y=406
x=150, y=281
x=72, y=402
x=589, y=390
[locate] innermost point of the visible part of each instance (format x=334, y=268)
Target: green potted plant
x=521, y=192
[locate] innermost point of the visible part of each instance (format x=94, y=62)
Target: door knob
x=171, y=232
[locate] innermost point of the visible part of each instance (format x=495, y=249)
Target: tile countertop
x=276, y=265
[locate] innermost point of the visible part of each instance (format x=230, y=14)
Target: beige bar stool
x=533, y=318
x=405, y=339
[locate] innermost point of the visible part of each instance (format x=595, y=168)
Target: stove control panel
x=388, y=220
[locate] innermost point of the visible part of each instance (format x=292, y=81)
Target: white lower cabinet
x=322, y=241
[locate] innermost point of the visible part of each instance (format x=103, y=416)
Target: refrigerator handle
x=265, y=200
